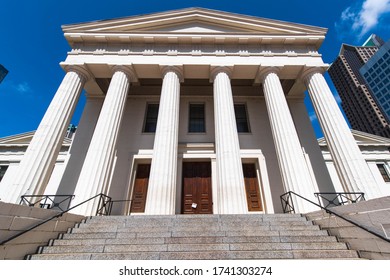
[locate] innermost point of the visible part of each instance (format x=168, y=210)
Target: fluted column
x=162, y=181
x=231, y=185
x=38, y=162
x=292, y=164
x=351, y=167
x=97, y=168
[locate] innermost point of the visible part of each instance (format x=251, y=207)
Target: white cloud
x=11, y=87
x=312, y=116
x=362, y=17
x=23, y=87
x=370, y=13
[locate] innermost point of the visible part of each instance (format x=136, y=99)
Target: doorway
x=252, y=189
x=140, y=188
x=197, y=194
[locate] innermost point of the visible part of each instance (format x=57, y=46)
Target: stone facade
x=248, y=140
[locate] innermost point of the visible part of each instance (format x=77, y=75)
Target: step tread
x=204, y=255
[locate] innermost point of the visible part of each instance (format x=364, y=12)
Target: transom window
x=151, y=118
x=383, y=171
x=241, y=118
x=3, y=169
x=196, y=119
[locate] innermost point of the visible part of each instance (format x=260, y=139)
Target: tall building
x=376, y=72
x=3, y=73
x=358, y=101
x=190, y=111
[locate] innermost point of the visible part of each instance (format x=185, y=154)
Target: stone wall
x=373, y=214
x=15, y=218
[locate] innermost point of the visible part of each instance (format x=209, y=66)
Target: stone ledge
x=16, y=218
x=373, y=214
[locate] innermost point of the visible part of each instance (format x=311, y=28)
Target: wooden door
x=197, y=198
x=253, y=196
x=140, y=188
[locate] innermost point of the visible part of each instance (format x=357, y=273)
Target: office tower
x=358, y=101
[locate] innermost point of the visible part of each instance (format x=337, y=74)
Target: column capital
x=127, y=69
x=308, y=71
x=177, y=69
x=80, y=69
x=265, y=70
x=215, y=70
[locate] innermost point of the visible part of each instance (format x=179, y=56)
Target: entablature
x=178, y=49
x=76, y=39
x=196, y=73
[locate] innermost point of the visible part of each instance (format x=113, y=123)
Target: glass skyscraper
x=361, y=77
x=376, y=72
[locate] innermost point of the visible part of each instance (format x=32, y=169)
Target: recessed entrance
x=252, y=189
x=140, y=188
x=197, y=198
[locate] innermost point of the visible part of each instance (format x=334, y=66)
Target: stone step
x=177, y=222
x=196, y=240
x=285, y=233
x=145, y=247
x=88, y=235
x=194, y=218
x=204, y=255
x=210, y=228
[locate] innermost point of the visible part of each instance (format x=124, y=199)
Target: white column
x=38, y=162
x=292, y=164
x=351, y=167
x=97, y=168
x=231, y=185
x=160, y=199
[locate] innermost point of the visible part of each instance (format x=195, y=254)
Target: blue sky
x=32, y=43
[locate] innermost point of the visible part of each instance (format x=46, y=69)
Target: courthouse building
x=191, y=111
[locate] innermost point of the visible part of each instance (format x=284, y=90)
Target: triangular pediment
x=18, y=139
x=363, y=139
x=193, y=20
x=24, y=139
x=197, y=27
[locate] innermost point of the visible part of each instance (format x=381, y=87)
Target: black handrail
x=47, y=201
x=104, y=206
x=339, y=198
x=102, y=196
x=289, y=194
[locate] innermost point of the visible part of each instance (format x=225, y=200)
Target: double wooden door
x=197, y=196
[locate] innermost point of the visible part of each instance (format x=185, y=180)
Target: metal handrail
x=339, y=198
x=47, y=201
x=327, y=211
x=56, y=216
x=104, y=206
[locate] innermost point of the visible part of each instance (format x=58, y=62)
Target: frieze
x=195, y=50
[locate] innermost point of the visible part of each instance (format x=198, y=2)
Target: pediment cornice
x=24, y=139
x=363, y=139
x=193, y=25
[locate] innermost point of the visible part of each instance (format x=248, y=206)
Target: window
x=3, y=169
x=241, y=118
x=383, y=171
x=151, y=118
x=196, y=119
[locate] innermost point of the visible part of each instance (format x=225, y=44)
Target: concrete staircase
x=272, y=236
